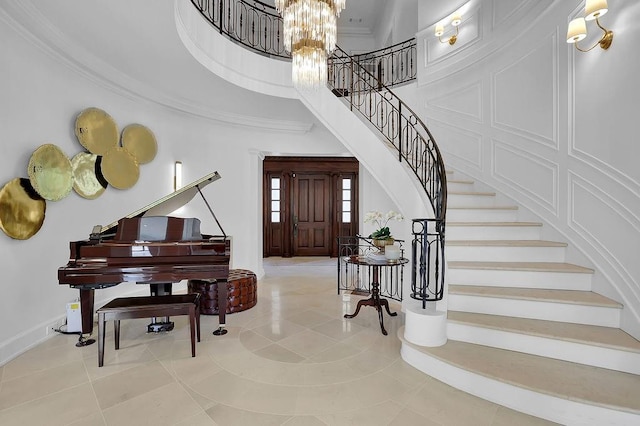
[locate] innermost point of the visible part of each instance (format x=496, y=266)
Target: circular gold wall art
x=120, y=168
x=96, y=131
x=140, y=142
x=50, y=172
x=85, y=177
x=21, y=209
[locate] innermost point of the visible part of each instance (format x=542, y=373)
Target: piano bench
x=148, y=307
x=242, y=292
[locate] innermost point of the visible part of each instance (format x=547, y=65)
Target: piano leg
x=222, y=308
x=86, y=312
x=160, y=289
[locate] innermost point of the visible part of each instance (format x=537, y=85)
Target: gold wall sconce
x=577, y=30
x=177, y=175
x=456, y=20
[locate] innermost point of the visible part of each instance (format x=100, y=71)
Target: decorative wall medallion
x=120, y=168
x=96, y=131
x=21, y=209
x=140, y=142
x=86, y=181
x=50, y=172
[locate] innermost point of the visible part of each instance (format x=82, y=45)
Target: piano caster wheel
x=84, y=342
x=220, y=332
x=157, y=327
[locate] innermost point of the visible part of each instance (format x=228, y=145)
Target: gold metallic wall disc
x=50, y=172
x=140, y=142
x=85, y=179
x=21, y=209
x=120, y=168
x=96, y=131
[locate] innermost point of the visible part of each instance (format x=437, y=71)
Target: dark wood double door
x=308, y=203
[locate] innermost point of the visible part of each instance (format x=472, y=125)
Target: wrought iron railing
x=415, y=145
x=364, y=82
x=392, y=65
x=251, y=23
x=258, y=26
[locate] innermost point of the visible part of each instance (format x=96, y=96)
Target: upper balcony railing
x=258, y=26
x=255, y=25
x=392, y=65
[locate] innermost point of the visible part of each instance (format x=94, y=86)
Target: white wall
x=512, y=105
x=399, y=22
x=41, y=96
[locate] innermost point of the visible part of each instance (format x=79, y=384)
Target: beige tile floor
x=291, y=360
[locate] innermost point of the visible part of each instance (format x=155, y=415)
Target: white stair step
x=460, y=185
x=556, y=390
x=467, y=199
x=552, y=275
x=506, y=250
x=482, y=214
x=493, y=230
x=577, y=307
x=605, y=347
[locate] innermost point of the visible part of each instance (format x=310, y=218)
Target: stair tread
x=563, y=379
x=464, y=181
x=484, y=194
x=484, y=208
x=506, y=243
x=577, y=297
x=494, y=223
x=607, y=337
x=522, y=266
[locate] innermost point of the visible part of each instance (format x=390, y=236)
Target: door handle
x=295, y=226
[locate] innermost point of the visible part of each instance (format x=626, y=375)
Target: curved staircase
x=524, y=328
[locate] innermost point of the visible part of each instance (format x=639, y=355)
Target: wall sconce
x=177, y=175
x=578, y=27
x=456, y=20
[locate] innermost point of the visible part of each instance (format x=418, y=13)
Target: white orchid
x=381, y=222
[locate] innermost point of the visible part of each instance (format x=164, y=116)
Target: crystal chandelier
x=310, y=36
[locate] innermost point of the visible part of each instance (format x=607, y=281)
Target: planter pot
x=382, y=243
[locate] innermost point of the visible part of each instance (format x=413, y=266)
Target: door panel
x=311, y=215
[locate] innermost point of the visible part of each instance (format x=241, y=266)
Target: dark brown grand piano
x=149, y=247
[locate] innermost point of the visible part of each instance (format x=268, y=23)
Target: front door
x=308, y=203
x=311, y=215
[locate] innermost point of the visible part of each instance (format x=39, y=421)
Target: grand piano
x=149, y=247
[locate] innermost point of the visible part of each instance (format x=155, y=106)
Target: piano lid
x=172, y=202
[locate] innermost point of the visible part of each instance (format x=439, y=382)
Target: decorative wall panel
x=540, y=182
x=525, y=95
x=505, y=9
x=459, y=143
x=465, y=101
x=611, y=227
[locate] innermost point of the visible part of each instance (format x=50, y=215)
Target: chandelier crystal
x=310, y=32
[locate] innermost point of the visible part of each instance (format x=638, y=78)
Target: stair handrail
x=393, y=65
x=395, y=121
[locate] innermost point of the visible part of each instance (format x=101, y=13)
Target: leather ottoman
x=242, y=292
